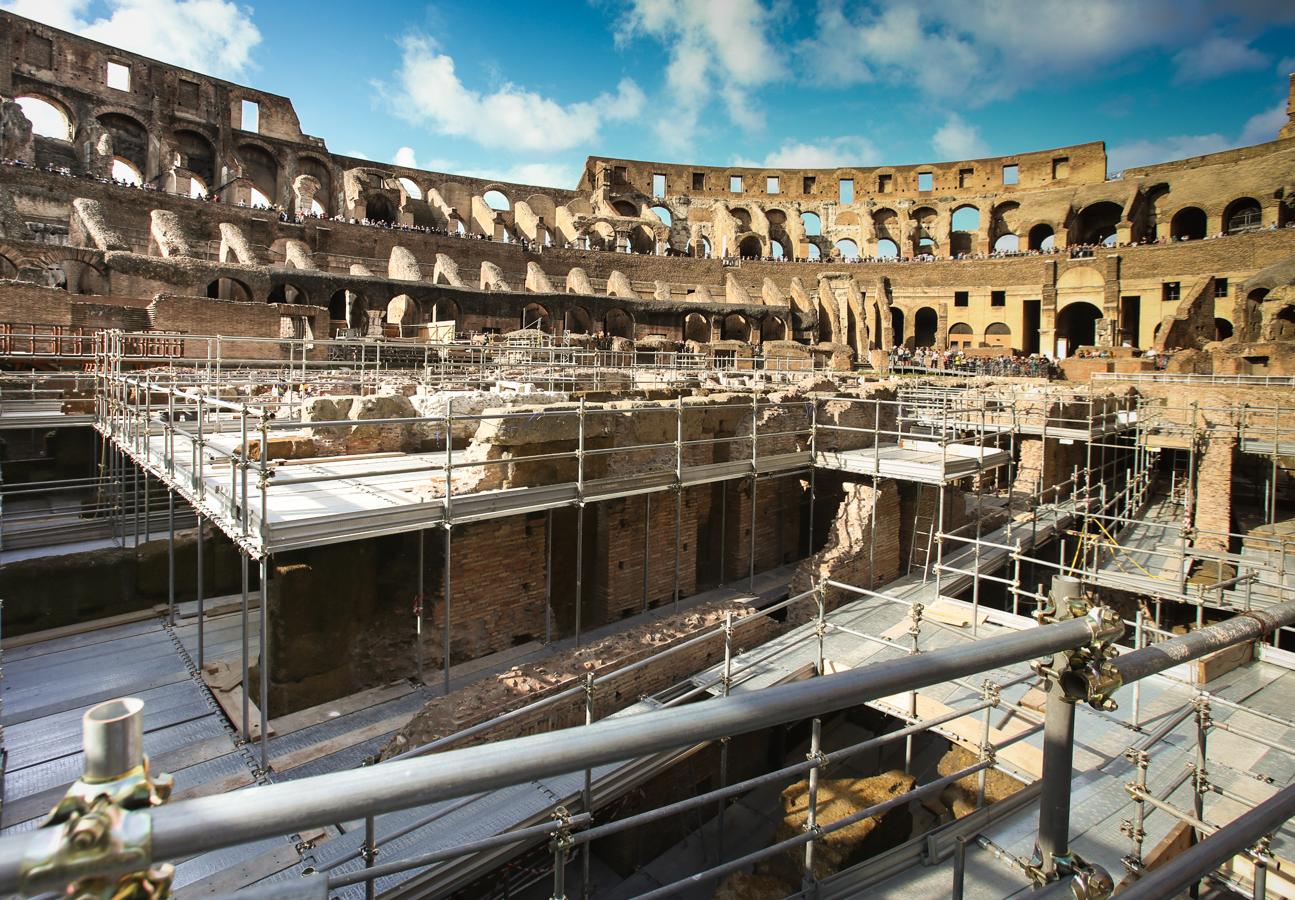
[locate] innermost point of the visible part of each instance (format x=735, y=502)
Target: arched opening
x=1098, y=223
x=960, y=335
x=379, y=208
x=262, y=170
x=229, y=289
x=1222, y=329
x=696, y=327
x=887, y=249
x=445, y=310
x=897, y=325
x=776, y=249
x=497, y=201
x=1007, y=243
x=197, y=188
x=642, y=241
x=705, y=248
x=825, y=333
x=1188, y=224
x=123, y=171
x=197, y=155
x=812, y=252
x=618, y=323
x=625, y=208
x=287, y=293
x=337, y=307
x=1076, y=327
x=1041, y=237
x=536, y=316
x=48, y=119
x=743, y=218
x=735, y=328
x=773, y=329
x=664, y=215
x=1282, y=327
x=578, y=321
x=322, y=203
x=1242, y=215
x=402, y=310
x=750, y=248
x=998, y=334
x=847, y=248
x=924, y=221
x=812, y=223
x=963, y=226
x=926, y=324
x=349, y=309
x=129, y=139
x=412, y=190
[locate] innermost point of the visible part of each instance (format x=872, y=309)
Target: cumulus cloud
x=828, y=153
x=982, y=50
x=719, y=50
x=1215, y=56
x=1147, y=151
x=405, y=156
x=1263, y=126
x=958, y=139
x=428, y=91
x=543, y=174
x=216, y=37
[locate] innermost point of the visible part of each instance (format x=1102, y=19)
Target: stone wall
x=862, y=547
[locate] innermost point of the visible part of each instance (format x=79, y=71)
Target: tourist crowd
x=954, y=360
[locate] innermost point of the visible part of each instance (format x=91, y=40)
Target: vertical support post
x=959, y=866
x=588, y=795
x=811, y=815
x=755, y=455
x=548, y=576
x=1058, y=768
x=647, y=549
x=1134, y=828
x=914, y=635
x=1200, y=774
x=445, y=649
x=418, y=607
x=1137, y=685
x=990, y=692
x=678, y=497
x=725, y=685
x=170, y=557
x=580, y=565
x=201, y=601
x=247, y=728
x=369, y=851
x=265, y=662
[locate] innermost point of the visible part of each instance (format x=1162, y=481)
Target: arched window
x=696, y=328
x=47, y=119
x=960, y=335
x=286, y=293
x=228, y=289
x=664, y=215
x=1097, y=223
x=619, y=323
x=1188, y=224
x=379, y=208
x=497, y=201
x=1041, y=237
x=812, y=252
x=735, y=328
x=750, y=248
x=705, y=248
x=925, y=325
x=813, y=224
x=965, y=218
x=1222, y=329
x=776, y=250
x=578, y=320
x=197, y=188
x=536, y=316
x=411, y=189
x=1077, y=327
x=847, y=248
x=1242, y=215
x=1007, y=243
x=123, y=170
x=998, y=334
x=887, y=249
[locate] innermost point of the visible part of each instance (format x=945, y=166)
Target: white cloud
x=212, y=36
x=544, y=174
x=1146, y=152
x=1215, y=56
x=829, y=153
x=981, y=50
x=406, y=157
x=1286, y=66
x=958, y=139
x=428, y=91
x=1263, y=126
x=709, y=43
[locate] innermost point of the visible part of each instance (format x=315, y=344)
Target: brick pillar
x=1214, y=492
x=777, y=525
x=617, y=583
x=862, y=547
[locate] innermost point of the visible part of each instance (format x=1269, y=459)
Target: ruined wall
x=1213, y=511
x=862, y=546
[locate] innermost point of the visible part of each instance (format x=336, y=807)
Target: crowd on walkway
x=933, y=359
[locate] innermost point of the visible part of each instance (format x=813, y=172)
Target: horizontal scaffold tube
x=1241, y=628
x=194, y=826
x=1194, y=864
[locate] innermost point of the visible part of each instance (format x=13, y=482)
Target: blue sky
x=526, y=91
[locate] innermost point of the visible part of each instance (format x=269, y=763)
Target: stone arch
x=751, y=247
x=578, y=321
x=925, y=239
x=1081, y=283
x=49, y=118
x=1188, y=224
x=129, y=139
x=773, y=328
x=198, y=155
x=642, y=240
x=812, y=252
x=960, y=335
x=261, y=168
x=378, y=207
x=287, y=293
x=225, y=288
x=926, y=327
x=1098, y=223
x=1222, y=329
x=1007, y=243
x=403, y=310
x=998, y=334
x=626, y=208
x=1041, y=237
x=444, y=309
x=897, y=325
x=349, y=307
x=742, y=217
x=885, y=224
x=812, y=224
x=847, y=248
x=887, y=249
x=964, y=223
x=735, y=327
x=1077, y=326
x=618, y=323
x=696, y=327
x=496, y=199
x=126, y=171
x=663, y=213
x=318, y=170
x=1241, y=215
x=535, y=315
x=411, y=188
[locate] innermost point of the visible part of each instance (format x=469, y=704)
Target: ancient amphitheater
x=916, y=530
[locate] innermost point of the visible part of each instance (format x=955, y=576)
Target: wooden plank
x=343, y=706
x=226, y=684
x=287, y=761
x=966, y=732
x=52, y=634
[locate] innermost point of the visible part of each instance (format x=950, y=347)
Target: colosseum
x=696, y=531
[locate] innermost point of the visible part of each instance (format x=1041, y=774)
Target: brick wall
x=862, y=547
x=1214, y=491
x=618, y=552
